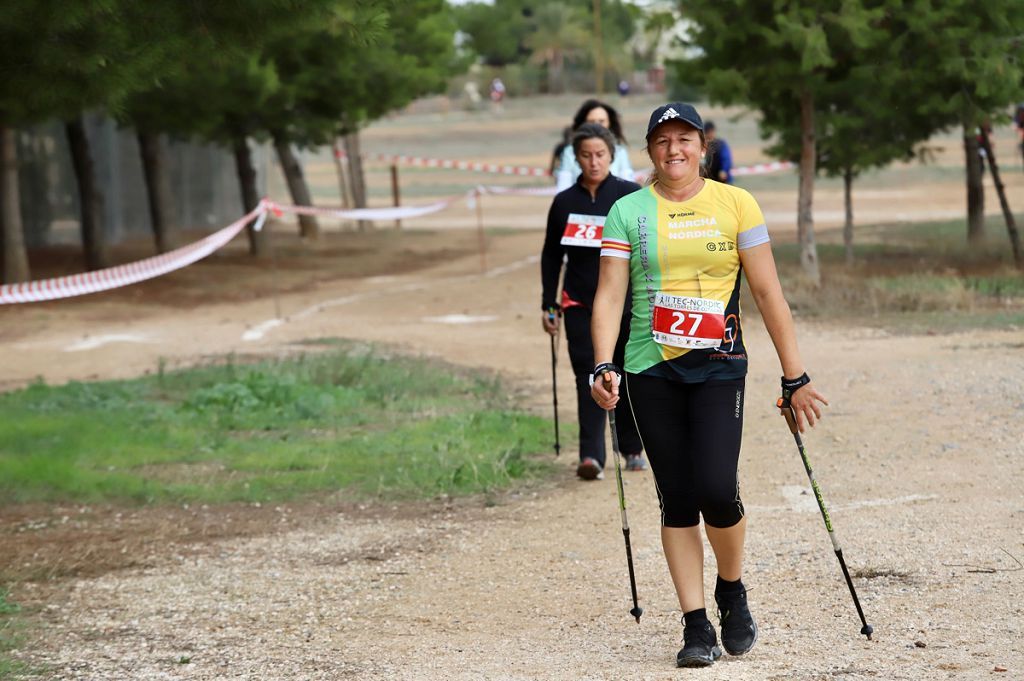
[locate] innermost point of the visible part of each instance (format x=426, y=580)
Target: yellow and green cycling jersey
x=684, y=267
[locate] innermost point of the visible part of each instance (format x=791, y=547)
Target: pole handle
x=787, y=410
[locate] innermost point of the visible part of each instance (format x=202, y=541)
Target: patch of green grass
x=910, y=278
x=351, y=420
x=9, y=637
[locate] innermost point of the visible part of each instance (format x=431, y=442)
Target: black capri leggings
x=691, y=433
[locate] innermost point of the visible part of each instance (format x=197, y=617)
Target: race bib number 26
x=583, y=230
x=686, y=322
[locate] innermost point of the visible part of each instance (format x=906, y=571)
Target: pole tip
x=636, y=612
x=867, y=630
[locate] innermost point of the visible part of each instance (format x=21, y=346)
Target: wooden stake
x=396, y=199
x=1011, y=224
x=480, y=231
x=273, y=268
x=339, y=165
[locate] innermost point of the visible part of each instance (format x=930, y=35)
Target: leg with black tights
x=691, y=434
x=581, y=355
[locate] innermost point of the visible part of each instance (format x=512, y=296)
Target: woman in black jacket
x=573, y=235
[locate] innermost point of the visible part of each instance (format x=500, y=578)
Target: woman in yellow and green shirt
x=682, y=242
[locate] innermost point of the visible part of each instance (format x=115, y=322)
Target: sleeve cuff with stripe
x=614, y=248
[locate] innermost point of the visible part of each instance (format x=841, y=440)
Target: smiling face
x=675, y=149
x=595, y=158
x=600, y=116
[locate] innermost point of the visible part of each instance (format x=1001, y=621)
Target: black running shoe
x=739, y=631
x=700, y=646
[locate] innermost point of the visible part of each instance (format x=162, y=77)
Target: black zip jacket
x=583, y=264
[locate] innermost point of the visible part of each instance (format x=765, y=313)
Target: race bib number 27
x=686, y=322
x=583, y=230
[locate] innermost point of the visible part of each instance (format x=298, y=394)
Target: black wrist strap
x=791, y=385
x=605, y=367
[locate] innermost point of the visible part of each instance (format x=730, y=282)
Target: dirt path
x=919, y=456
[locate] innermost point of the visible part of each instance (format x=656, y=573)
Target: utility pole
x=598, y=50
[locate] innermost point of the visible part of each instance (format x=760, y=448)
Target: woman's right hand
x=550, y=322
x=606, y=393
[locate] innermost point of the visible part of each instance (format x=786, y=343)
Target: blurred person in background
x=497, y=94
x=556, y=155
x=719, y=156
x=573, y=236
x=982, y=132
x=594, y=111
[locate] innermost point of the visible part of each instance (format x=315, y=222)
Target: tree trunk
x=1011, y=223
x=250, y=195
x=975, y=188
x=297, y=187
x=2, y=220
x=805, y=198
x=556, y=70
x=598, y=50
x=94, y=243
x=15, y=257
x=848, y=223
x=356, y=176
x=157, y=189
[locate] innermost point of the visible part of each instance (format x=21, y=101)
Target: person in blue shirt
x=594, y=111
x=719, y=157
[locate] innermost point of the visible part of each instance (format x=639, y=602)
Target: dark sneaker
x=739, y=631
x=635, y=462
x=590, y=469
x=700, y=646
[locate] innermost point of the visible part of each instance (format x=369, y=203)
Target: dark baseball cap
x=674, y=111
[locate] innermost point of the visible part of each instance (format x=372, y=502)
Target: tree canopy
x=854, y=84
x=557, y=35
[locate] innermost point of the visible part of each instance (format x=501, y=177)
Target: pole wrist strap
x=791, y=385
x=604, y=368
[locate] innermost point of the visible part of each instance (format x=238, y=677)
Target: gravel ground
x=919, y=458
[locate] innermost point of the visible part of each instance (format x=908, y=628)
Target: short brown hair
x=589, y=131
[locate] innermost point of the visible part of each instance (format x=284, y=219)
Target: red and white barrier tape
x=406, y=212
x=131, y=273
x=762, y=168
x=518, y=191
x=447, y=163
x=395, y=213
x=757, y=169
x=122, y=275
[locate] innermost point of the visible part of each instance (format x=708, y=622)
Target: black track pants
x=691, y=433
x=592, y=417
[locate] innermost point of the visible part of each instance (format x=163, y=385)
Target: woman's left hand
x=806, y=406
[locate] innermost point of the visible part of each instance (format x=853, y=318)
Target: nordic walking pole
x=554, y=380
x=787, y=411
x=637, y=610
